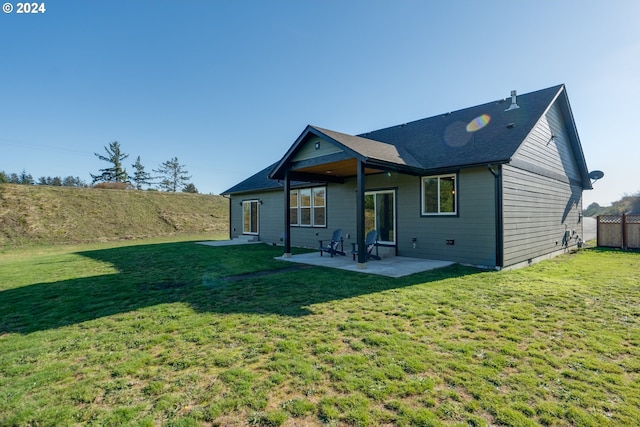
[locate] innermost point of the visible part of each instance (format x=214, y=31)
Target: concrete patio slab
x=396, y=266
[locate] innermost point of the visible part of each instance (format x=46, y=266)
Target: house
x=496, y=185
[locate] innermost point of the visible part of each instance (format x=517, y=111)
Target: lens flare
x=478, y=123
x=455, y=135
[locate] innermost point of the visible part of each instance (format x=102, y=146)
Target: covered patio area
x=325, y=156
x=396, y=266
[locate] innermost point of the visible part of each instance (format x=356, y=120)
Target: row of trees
x=630, y=203
x=27, y=179
x=171, y=175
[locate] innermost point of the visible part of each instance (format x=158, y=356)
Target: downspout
x=497, y=175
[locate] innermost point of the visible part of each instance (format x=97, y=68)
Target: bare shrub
x=114, y=185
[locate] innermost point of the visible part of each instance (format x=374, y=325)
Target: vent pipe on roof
x=513, y=105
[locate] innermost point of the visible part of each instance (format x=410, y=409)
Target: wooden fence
x=619, y=231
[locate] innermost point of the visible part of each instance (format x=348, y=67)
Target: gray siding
x=235, y=216
x=271, y=220
x=537, y=211
x=472, y=230
x=542, y=195
x=308, y=149
x=548, y=147
x=340, y=214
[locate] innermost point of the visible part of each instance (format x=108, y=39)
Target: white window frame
x=296, y=217
x=303, y=207
x=455, y=195
x=375, y=217
x=314, y=220
x=246, y=204
x=293, y=217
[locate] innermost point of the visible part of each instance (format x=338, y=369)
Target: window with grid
x=308, y=207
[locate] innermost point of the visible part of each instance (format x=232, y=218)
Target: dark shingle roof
x=259, y=181
x=494, y=135
x=480, y=135
x=372, y=149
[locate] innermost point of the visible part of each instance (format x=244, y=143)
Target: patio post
x=287, y=216
x=362, y=256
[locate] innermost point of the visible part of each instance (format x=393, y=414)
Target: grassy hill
x=43, y=214
x=629, y=203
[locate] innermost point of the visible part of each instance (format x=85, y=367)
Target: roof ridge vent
x=514, y=105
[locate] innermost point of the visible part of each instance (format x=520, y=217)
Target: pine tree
x=72, y=181
x=4, y=178
x=172, y=175
x=190, y=188
x=26, y=178
x=635, y=203
x=116, y=173
x=140, y=177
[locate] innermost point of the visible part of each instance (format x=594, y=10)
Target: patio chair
x=335, y=245
x=370, y=242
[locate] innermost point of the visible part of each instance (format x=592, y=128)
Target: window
x=250, y=217
x=293, y=207
x=305, y=206
x=308, y=207
x=319, y=208
x=439, y=195
x=380, y=214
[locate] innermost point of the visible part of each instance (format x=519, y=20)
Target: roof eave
x=255, y=190
x=279, y=170
x=436, y=170
x=575, y=141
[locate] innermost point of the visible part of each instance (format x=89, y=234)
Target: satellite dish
x=595, y=175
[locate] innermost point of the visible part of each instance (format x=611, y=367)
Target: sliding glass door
x=380, y=214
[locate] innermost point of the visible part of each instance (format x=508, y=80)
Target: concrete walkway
x=395, y=266
x=233, y=242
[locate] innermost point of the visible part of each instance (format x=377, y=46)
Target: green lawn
x=166, y=333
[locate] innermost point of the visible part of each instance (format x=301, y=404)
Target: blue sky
x=227, y=86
